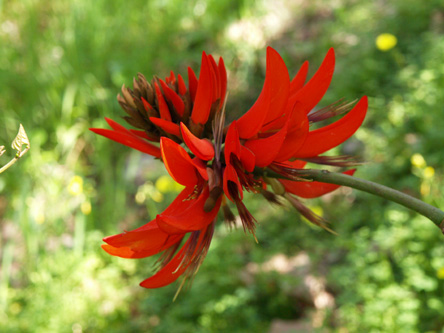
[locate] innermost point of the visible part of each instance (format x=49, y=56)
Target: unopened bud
x=128, y=98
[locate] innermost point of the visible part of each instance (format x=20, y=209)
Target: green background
x=61, y=65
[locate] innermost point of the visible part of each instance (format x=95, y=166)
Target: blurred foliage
x=61, y=65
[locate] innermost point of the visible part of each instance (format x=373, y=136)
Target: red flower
x=263, y=148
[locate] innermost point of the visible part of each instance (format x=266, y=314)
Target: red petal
x=204, y=94
x=178, y=163
x=173, y=98
x=129, y=139
x=169, y=273
x=297, y=164
x=192, y=216
x=280, y=87
x=146, y=105
x=175, y=268
x=274, y=125
x=325, y=138
x=124, y=252
x=266, y=150
x=271, y=101
x=181, y=84
x=232, y=143
x=298, y=130
x=141, y=242
x=231, y=175
x=163, y=107
x=202, y=148
x=215, y=80
x=192, y=249
x=223, y=81
x=192, y=83
x=310, y=95
x=116, y=126
x=310, y=190
x=143, y=134
x=166, y=125
x=248, y=159
x=201, y=167
x=172, y=78
x=299, y=79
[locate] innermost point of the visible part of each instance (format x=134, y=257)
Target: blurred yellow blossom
x=440, y=273
x=425, y=188
x=166, y=184
x=148, y=190
x=85, y=207
x=418, y=161
x=75, y=186
x=429, y=172
x=385, y=42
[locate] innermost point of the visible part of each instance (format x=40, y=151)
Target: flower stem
x=434, y=214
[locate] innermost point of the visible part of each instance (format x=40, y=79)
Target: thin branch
x=432, y=213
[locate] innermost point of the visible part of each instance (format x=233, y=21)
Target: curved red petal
x=272, y=99
x=230, y=175
x=178, y=163
x=143, y=135
x=201, y=167
x=248, y=159
x=116, y=126
x=204, y=94
x=166, y=125
x=163, y=106
x=192, y=83
x=266, y=150
x=299, y=79
x=146, y=105
x=296, y=164
x=310, y=95
x=172, y=96
x=129, y=140
x=215, y=76
x=171, y=271
x=181, y=85
x=325, y=138
x=123, y=252
x=191, y=218
x=191, y=251
x=232, y=143
x=280, y=87
x=311, y=190
x=274, y=125
x=298, y=125
x=202, y=148
x=141, y=242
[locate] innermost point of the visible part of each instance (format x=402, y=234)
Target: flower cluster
x=261, y=152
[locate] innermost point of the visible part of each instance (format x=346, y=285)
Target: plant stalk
x=432, y=213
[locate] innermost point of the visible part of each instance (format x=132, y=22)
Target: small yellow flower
x=85, y=207
x=429, y=172
x=165, y=184
x=440, y=273
x=75, y=186
x=385, y=42
x=418, y=161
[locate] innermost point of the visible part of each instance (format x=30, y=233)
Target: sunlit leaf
x=20, y=140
